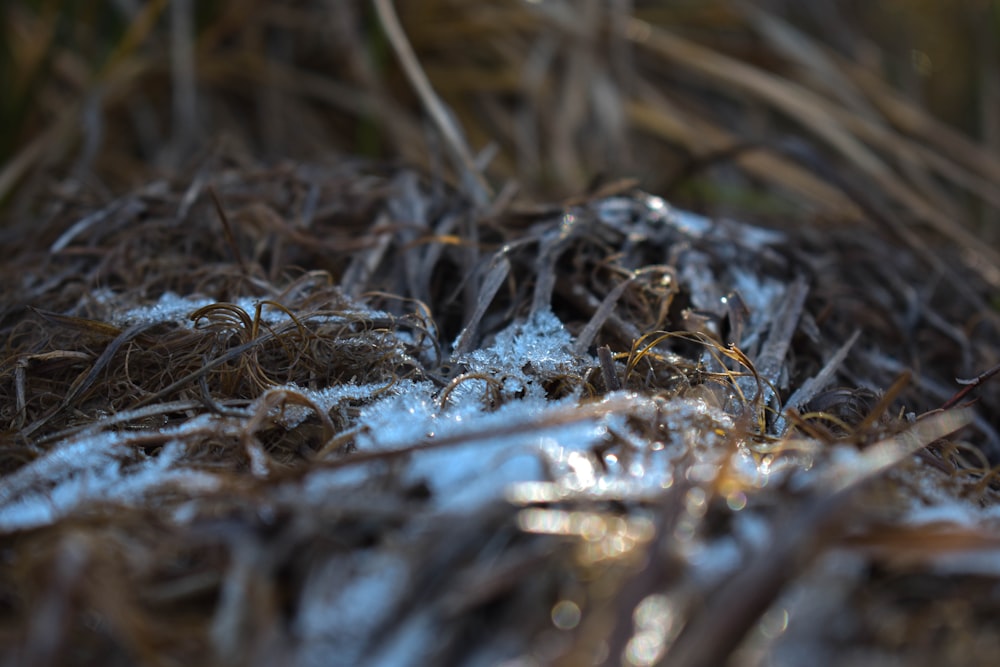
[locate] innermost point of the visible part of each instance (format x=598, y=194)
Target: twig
x=969, y=386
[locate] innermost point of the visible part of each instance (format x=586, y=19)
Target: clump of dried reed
x=177, y=487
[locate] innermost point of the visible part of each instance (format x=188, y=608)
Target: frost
x=89, y=471
x=70, y=458
x=399, y=420
x=760, y=294
x=540, y=344
x=409, y=645
x=484, y=432
x=324, y=399
x=711, y=560
x=322, y=484
x=169, y=308
x=477, y=464
x=343, y=602
x=522, y=353
x=984, y=562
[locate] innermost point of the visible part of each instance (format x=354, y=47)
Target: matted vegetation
x=406, y=365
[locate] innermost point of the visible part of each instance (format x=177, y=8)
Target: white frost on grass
x=95, y=468
x=467, y=454
x=520, y=355
x=541, y=343
x=171, y=307
x=325, y=399
x=475, y=466
x=90, y=471
x=969, y=562
x=479, y=460
x=761, y=295
x=62, y=462
x=407, y=646
x=342, y=605
x=937, y=499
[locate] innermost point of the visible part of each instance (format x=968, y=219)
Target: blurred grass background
x=763, y=109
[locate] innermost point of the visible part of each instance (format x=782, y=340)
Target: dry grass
x=199, y=483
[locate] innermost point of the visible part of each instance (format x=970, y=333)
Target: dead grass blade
x=478, y=189
x=713, y=635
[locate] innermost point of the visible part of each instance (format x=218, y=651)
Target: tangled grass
x=432, y=410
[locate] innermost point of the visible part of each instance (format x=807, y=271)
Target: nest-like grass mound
x=275, y=415
x=360, y=411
